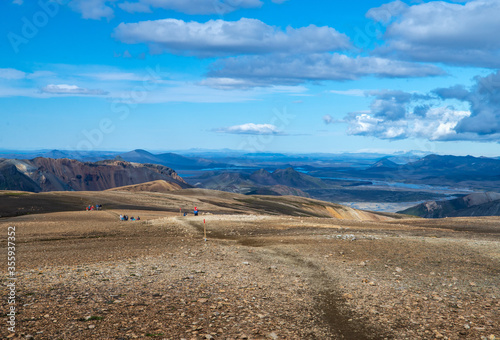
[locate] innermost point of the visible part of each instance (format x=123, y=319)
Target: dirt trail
x=329, y=301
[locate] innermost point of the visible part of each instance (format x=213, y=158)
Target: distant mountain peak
x=288, y=170
x=262, y=172
x=142, y=152
x=384, y=163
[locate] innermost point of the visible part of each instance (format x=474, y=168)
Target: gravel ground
x=86, y=275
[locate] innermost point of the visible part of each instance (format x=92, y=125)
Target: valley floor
x=87, y=275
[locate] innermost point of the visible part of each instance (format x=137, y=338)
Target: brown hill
x=154, y=186
x=216, y=202
x=47, y=174
x=277, y=190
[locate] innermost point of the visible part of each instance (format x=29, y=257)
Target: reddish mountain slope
x=49, y=174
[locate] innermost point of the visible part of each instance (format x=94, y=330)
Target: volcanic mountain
x=47, y=174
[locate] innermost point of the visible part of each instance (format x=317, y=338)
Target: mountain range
x=169, y=159
x=279, y=182
x=447, y=167
x=202, y=159
x=469, y=172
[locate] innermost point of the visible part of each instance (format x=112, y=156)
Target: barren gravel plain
x=271, y=268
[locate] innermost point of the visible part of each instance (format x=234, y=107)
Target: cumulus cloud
x=437, y=31
x=295, y=69
x=251, y=129
x=191, y=6
x=437, y=124
x=392, y=104
x=65, y=89
x=397, y=114
x=220, y=38
x=484, y=101
x=93, y=9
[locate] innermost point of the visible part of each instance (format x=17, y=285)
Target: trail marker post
x=204, y=230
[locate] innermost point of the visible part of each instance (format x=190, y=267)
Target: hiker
x=138, y=218
x=195, y=211
x=121, y=217
x=132, y=218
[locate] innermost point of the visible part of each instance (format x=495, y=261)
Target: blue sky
x=256, y=75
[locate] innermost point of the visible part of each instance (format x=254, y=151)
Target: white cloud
x=191, y=6
x=225, y=83
x=18, y=2
x=458, y=34
x=115, y=76
x=353, y=92
x=248, y=71
x=387, y=12
x=251, y=129
x=219, y=37
x=438, y=124
x=149, y=85
x=93, y=9
x=65, y=89
x=40, y=74
x=10, y=73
